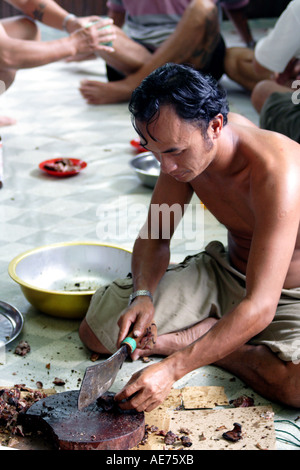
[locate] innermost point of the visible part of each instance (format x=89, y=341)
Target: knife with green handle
x=100, y=377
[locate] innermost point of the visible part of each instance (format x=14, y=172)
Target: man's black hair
x=195, y=97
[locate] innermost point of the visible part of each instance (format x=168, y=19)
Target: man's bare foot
x=7, y=121
x=95, y=92
x=171, y=342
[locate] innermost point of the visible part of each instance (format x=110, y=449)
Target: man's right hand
x=138, y=319
x=93, y=39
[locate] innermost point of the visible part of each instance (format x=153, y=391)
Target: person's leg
x=263, y=371
x=90, y=340
x=194, y=41
x=128, y=58
x=165, y=344
x=263, y=90
x=238, y=65
x=239, y=18
x=181, y=302
x=278, y=108
x=18, y=28
x=128, y=55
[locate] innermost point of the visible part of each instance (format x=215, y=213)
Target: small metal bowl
x=147, y=168
x=60, y=279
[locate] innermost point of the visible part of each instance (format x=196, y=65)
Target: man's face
x=179, y=146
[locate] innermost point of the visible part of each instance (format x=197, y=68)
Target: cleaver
x=99, y=378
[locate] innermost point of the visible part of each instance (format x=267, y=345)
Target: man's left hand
x=147, y=388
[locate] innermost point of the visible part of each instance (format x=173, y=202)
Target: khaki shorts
x=202, y=285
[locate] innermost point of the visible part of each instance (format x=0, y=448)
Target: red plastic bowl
x=137, y=145
x=80, y=163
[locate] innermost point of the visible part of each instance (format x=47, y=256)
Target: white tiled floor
x=53, y=120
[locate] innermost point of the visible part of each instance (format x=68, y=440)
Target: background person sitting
x=21, y=47
x=151, y=34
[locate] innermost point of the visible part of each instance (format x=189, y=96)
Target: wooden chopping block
x=93, y=428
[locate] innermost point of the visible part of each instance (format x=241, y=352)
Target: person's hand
x=147, y=388
x=78, y=22
x=291, y=73
x=94, y=37
x=138, y=318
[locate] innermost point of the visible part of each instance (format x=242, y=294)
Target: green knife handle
x=130, y=342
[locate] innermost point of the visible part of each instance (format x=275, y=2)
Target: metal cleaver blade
x=99, y=378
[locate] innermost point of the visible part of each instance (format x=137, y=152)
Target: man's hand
x=147, y=388
x=93, y=38
x=290, y=73
x=78, y=22
x=138, y=318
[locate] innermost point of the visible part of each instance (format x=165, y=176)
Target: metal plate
x=147, y=168
x=11, y=323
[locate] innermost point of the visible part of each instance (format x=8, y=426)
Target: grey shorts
x=280, y=114
x=202, y=285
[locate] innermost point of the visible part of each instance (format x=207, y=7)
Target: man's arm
x=47, y=11
x=194, y=38
x=18, y=53
x=151, y=253
x=52, y=14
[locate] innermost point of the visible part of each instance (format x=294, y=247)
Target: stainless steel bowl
x=146, y=167
x=60, y=279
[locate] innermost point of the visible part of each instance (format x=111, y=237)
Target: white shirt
x=283, y=42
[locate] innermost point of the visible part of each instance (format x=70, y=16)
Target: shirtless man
x=193, y=38
x=239, y=310
x=20, y=45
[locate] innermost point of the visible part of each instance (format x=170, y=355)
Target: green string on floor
x=287, y=441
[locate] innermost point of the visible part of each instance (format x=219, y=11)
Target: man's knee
x=207, y=6
x=283, y=383
x=23, y=28
x=89, y=339
x=260, y=94
x=31, y=30
x=201, y=10
x=290, y=385
x=7, y=77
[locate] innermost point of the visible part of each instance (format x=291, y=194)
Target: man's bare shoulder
x=261, y=141
x=235, y=118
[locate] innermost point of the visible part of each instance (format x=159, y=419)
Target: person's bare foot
x=95, y=92
x=7, y=121
x=171, y=342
